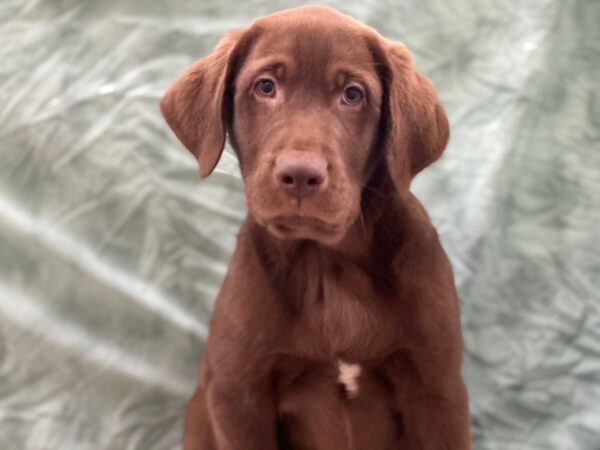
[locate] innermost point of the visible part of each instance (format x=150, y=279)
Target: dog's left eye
x=352, y=95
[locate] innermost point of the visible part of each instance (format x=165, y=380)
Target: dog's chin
x=302, y=227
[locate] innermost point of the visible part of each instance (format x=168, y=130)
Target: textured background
x=111, y=249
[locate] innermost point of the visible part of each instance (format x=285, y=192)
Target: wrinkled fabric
x=112, y=249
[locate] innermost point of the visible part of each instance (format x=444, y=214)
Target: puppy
x=338, y=323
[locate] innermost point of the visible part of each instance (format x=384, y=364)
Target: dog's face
x=311, y=100
x=306, y=112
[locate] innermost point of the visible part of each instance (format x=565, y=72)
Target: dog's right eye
x=265, y=87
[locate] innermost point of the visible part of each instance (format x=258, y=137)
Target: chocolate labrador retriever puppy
x=337, y=325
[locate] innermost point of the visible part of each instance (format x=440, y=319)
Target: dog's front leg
x=244, y=414
x=433, y=401
x=438, y=420
x=238, y=379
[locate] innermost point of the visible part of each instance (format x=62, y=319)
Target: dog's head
x=312, y=101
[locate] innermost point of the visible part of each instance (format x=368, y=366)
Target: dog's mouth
x=305, y=227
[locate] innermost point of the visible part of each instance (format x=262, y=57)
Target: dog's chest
x=350, y=319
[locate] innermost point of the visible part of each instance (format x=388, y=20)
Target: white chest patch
x=348, y=376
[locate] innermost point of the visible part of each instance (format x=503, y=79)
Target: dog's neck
x=297, y=267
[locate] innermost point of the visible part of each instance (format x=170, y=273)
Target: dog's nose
x=299, y=174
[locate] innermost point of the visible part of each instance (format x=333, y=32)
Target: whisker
x=373, y=190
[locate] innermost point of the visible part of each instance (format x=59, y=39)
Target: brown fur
x=353, y=273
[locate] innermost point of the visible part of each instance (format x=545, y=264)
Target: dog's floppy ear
x=194, y=106
x=417, y=127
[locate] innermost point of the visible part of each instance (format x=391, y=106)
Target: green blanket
x=112, y=249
